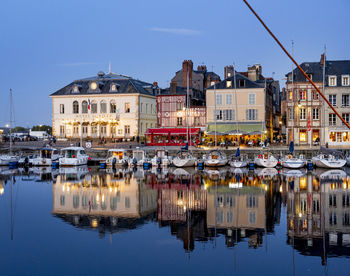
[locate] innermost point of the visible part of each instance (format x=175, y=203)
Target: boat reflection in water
x=108, y=201
x=318, y=213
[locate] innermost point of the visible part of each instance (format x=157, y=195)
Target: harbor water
x=91, y=221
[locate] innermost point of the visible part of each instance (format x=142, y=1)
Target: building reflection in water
x=318, y=213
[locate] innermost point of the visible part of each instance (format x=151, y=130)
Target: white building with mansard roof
x=107, y=105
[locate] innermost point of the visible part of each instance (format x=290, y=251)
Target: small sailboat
x=73, y=156
x=216, y=159
x=292, y=162
x=117, y=157
x=138, y=158
x=266, y=160
x=184, y=158
x=238, y=160
x=9, y=159
x=161, y=159
x=46, y=157
x=329, y=161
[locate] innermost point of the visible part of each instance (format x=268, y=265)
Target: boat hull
x=238, y=164
x=215, y=163
x=293, y=164
x=73, y=161
x=266, y=163
x=181, y=163
x=330, y=164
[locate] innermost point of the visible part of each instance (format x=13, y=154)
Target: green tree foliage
x=19, y=129
x=46, y=128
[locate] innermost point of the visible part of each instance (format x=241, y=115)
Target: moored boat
x=138, y=158
x=117, y=157
x=216, y=159
x=328, y=161
x=293, y=162
x=161, y=159
x=184, y=159
x=266, y=160
x=46, y=157
x=73, y=156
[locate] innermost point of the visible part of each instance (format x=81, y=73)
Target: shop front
x=171, y=136
x=338, y=138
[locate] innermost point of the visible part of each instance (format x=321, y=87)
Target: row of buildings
x=244, y=104
x=116, y=106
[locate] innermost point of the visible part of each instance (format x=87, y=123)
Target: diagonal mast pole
x=301, y=70
x=10, y=122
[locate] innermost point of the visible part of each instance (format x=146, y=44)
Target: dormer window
x=241, y=83
x=75, y=88
x=212, y=83
x=332, y=80
x=228, y=84
x=345, y=80
x=93, y=85
x=114, y=87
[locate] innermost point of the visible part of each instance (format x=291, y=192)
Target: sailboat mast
x=293, y=93
x=10, y=121
x=236, y=113
x=323, y=87
x=187, y=106
x=215, y=115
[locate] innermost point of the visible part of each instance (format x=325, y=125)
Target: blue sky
x=47, y=44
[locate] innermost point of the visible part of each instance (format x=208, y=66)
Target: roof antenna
x=109, y=67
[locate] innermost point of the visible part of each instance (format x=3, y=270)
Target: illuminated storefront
x=338, y=138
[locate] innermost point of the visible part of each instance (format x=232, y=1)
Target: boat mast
x=188, y=105
x=10, y=121
x=236, y=113
x=294, y=119
x=215, y=111
x=323, y=87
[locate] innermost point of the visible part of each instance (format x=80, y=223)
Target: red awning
x=172, y=131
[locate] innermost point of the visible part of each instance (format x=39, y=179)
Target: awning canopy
x=231, y=129
x=172, y=131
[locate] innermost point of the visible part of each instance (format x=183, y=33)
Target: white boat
x=184, y=159
x=161, y=159
x=293, y=172
x=73, y=156
x=293, y=162
x=27, y=160
x=117, y=157
x=328, y=161
x=6, y=160
x=266, y=160
x=47, y=156
x=268, y=172
x=138, y=158
x=216, y=159
x=73, y=174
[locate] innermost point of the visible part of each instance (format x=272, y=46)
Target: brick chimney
x=173, y=87
x=187, y=66
x=202, y=68
x=323, y=58
x=228, y=71
x=254, y=72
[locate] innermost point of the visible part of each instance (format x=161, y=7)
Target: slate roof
x=125, y=85
x=248, y=83
x=333, y=67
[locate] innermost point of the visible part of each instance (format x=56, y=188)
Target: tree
x=46, y=128
x=19, y=129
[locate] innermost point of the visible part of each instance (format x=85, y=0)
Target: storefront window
x=346, y=137
x=303, y=135
x=339, y=137
x=332, y=137
x=315, y=135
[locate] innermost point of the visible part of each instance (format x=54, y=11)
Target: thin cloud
x=176, y=31
x=78, y=63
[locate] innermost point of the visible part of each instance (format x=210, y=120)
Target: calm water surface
x=87, y=221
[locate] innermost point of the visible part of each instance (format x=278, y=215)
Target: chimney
x=228, y=71
x=254, y=72
x=155, y=84
x=173, y=87
x=202, y=68
x=187, y=66
x=323, y=58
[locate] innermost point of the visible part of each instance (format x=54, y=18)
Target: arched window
x=75, y=107
x=93, y=107
x=113, y=107
x=103, y=107
x=84, y=107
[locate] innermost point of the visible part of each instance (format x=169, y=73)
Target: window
x=93, y=107
x=228, y=99
x=114, y=87
x=75, y=107
x=302, y=114
x=251, y=98
x=85, y=130
x=332, y=200
x=75, y=88
x=332, y=81
x=251, y=114
x=218, y=115
x=332, y=219
x=179, y=106
x=93, y=85
x=346, y=200
x=141, y=108
x=62, y=108
x=127, y=107
x=241, y=83
x=315, y=114
x=332, y=119
x=219, y=217
x=228, y=84
x=252, y=201
x=103, y=107
x=302, y=94
x=229, y=114
x=252, y=217
x=212, y=83
x=103, y=130
x=84, y=107
x=315, y=95
x=113, y=107
x=219, y=99
x=146, y=108
x=229, y=217
x=291, y=95
x=290, y=114
x=127, y=130
x=127, y=202
x=345, y=80
x=94, y=129
x=76, y=201
x=62, y=200
x=120, y=131
x=345, y=100
x=196, y=121
x=62, y=130
x=333, y=99
x=346, y=117
x=303, y=135
x=179, y=121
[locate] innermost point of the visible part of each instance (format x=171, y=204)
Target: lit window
x=291, y=95
x=114, y=87
x=127, y=107
x=332, y=81
x=75, y=88
x=345, y=80
x=93, y=85
x=212, y=83
x=179, y=121
x=315, y=95
x=228, y=74
x=62, y=108
x=302, y=95
x=113, y=107
x=303, y=135
x=251, y=98
x=228, y=83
